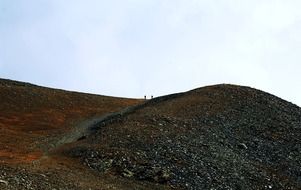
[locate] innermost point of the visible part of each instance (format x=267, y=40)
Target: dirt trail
x=90, y=126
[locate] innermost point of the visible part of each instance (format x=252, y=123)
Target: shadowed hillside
x=216, y=137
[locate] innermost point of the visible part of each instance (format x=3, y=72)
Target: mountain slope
x=217, y=137
x=30, y=116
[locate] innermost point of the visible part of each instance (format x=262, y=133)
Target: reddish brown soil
x=30, y=114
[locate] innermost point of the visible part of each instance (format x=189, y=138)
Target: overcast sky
x=134, y=47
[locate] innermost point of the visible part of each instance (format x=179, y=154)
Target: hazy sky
x=135, y=47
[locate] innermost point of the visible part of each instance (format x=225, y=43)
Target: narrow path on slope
x=90, y=126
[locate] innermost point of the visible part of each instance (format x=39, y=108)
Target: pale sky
x=130, y=48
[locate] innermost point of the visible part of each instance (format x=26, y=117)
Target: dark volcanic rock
x=217, y=137
x=20, y=178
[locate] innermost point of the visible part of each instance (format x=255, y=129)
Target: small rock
x=127, y=173
x=4, y=182
x=43, y=175
x=242, y=146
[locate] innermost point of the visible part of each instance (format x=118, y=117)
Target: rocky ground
x=219, y=137
x=17, y=178
x=216, y=137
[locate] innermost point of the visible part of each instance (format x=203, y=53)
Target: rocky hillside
x=215, y=137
